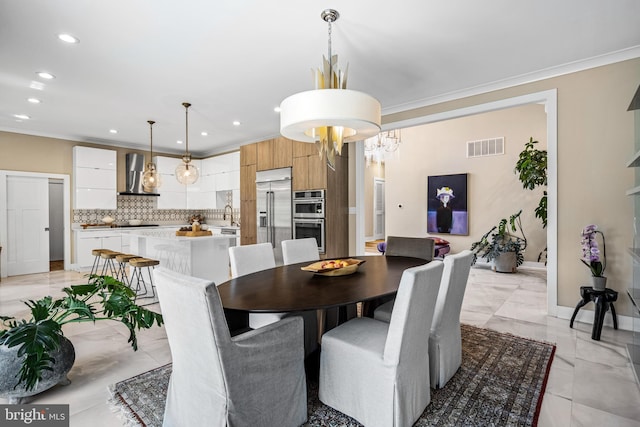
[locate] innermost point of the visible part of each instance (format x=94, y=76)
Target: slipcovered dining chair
x=247, y=259
x=300, y=250
x=445, y=339
x=256, y=378
x=293, y=252
x=417, y=247
x=378, y=372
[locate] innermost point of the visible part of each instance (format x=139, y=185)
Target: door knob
x=46, y=229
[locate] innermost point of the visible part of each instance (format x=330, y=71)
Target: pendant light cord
x=186, y=118
x=329, y=21
x=151, y=123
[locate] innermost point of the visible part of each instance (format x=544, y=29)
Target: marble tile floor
x=590, y=384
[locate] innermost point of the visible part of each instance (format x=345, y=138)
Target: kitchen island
x=206, y=257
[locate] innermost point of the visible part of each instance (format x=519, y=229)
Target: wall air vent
x=485, y=147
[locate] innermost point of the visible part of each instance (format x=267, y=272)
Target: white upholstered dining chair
x=247, y=259
x=445, y=340
x=256, y=378
x=378, y=372
x=300, y=250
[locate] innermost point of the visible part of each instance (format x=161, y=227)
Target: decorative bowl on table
x=334, y=267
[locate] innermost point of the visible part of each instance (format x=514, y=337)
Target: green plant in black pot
x=500, y=246
x=37, y=342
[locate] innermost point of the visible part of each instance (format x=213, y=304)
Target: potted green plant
x=531, y=168
x=34, y=353
x=500, y=246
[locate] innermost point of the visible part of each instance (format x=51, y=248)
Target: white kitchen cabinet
x=94, y=178
x=95, y=198
x=94, y=158
x=86, y=241
x=172, y=194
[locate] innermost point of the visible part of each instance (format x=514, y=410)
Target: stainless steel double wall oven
x=309, y=216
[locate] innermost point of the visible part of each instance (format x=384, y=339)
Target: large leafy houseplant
x=500, y=239
x=103, y=298
x=531, y=168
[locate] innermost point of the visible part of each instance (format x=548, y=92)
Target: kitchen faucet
x=224, y=215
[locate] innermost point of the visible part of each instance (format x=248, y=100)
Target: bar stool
x=138, y=264
x=109, y=267
x=123, y=260
x=96, y=261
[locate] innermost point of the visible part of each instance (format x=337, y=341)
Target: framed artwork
x=447, y=204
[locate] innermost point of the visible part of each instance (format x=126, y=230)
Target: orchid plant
x=591, y=256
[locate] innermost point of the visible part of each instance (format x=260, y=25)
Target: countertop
x=171, y=235
x=129, y=228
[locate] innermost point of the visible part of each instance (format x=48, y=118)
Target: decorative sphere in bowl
x=135, y=222
x=107, y=220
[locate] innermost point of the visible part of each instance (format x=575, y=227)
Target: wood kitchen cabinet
x=309, y=172
x=274, y=153
x=248, y=154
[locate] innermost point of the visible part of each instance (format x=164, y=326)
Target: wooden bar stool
x=123, y=260
x=137, y=276
x=109, y=267
x=96, y=261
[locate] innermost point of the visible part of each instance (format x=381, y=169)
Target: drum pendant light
x=331, y=114
x=151, y=179
x=186, y=173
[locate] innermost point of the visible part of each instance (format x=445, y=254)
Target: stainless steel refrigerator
x=273, y=202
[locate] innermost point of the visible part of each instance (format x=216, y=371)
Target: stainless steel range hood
x=134, y=170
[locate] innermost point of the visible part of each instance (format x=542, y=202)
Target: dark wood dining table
x=288, y=288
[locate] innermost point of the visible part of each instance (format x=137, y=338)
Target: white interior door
x=27, y=225
x=378, y=208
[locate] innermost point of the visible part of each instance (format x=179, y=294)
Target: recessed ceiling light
x=277, y=109
x=204, y=133
x=113, y=130
x=68, y=38
x=45, y=75
x=34, y=100
x=21, y=116
x=179, y=142
x=236, y=123
x=36, y=85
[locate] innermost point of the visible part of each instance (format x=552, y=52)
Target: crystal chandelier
x=386, y=142
x=331, y=114
x=150, y=177
x=186, y=173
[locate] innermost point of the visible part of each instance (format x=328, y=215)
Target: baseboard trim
x=586, y=316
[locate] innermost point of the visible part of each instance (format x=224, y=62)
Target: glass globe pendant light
x=151, y=179
x=186, y=173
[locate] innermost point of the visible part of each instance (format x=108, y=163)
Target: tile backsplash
x=145, y=208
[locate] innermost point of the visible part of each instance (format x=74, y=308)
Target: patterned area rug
x=501, y=383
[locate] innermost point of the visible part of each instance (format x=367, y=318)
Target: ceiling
x=138, y=60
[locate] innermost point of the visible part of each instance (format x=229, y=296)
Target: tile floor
x=591, y=382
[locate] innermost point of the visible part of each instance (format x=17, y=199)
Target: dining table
x=289, y=288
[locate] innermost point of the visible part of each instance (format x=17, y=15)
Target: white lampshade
x=357, y=112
